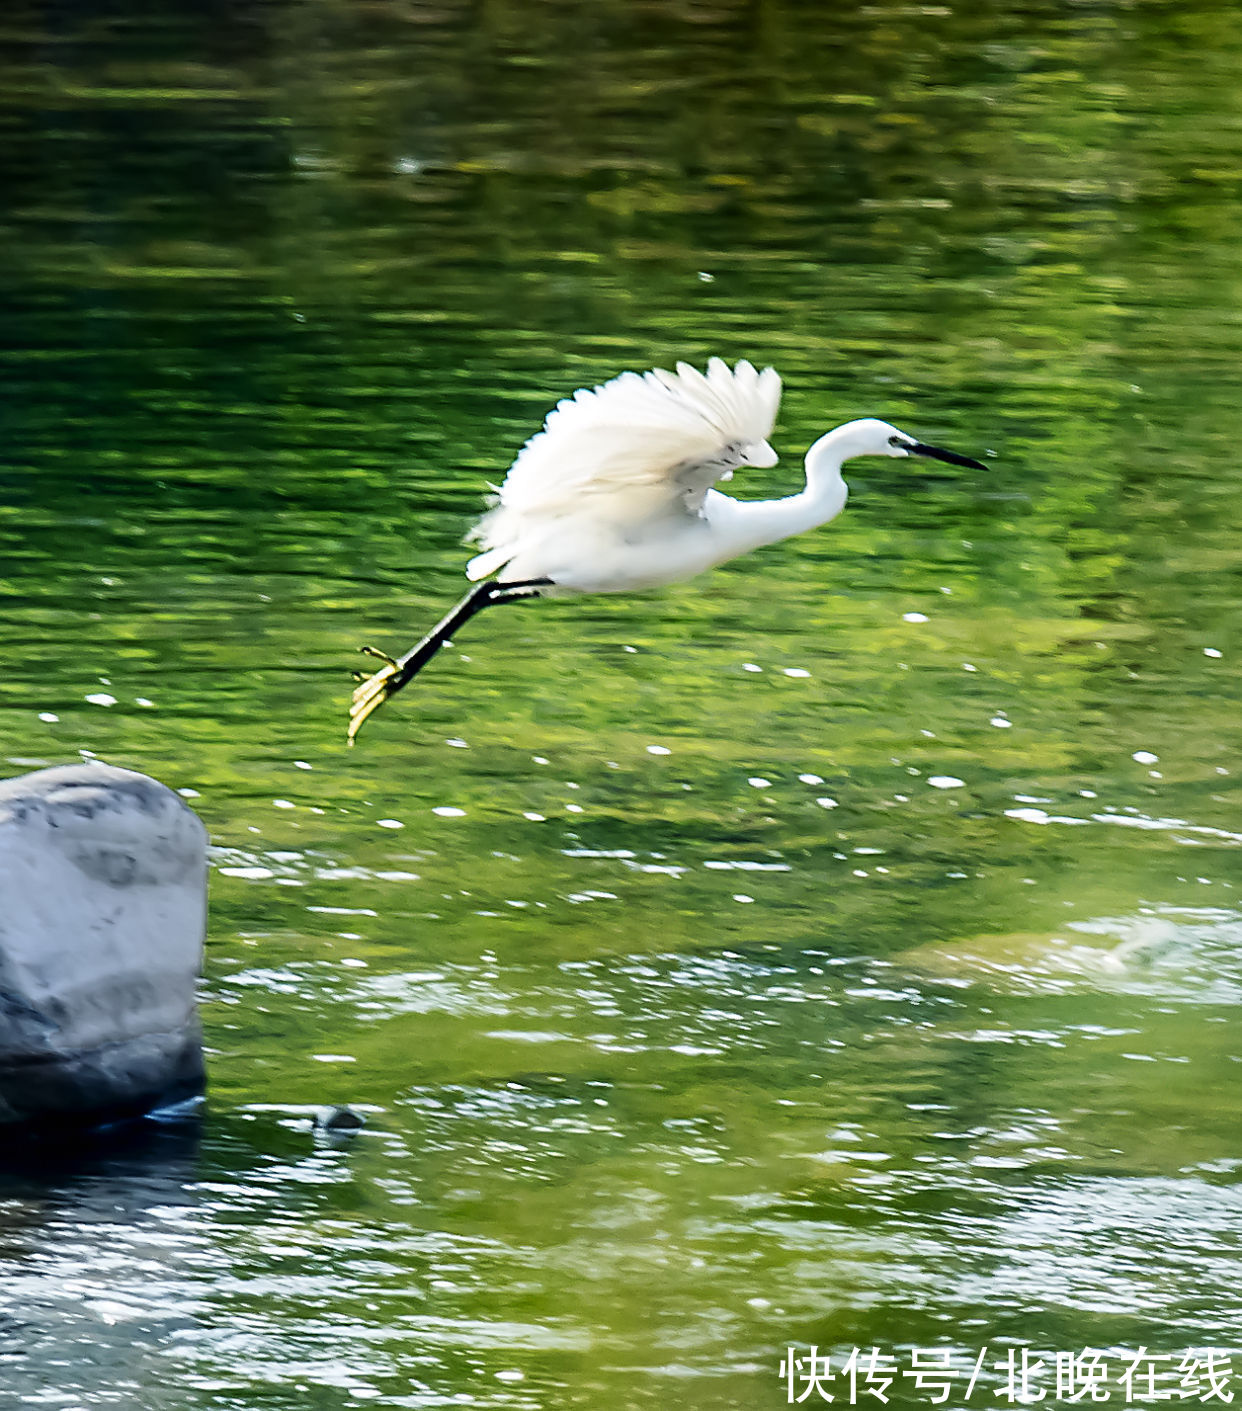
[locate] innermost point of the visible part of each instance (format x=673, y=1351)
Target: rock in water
x=341, y=1121
x=103, y=890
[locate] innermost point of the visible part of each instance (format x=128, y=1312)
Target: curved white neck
x=824, y=461
x=741, y=525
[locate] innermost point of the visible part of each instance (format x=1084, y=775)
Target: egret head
x=870, y=437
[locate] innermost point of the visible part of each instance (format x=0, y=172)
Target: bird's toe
x=382, y=656
x=373, y=690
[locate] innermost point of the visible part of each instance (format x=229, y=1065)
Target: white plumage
x=615, y=493
x=637, y=452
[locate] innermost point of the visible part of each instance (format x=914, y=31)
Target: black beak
x=949, y=457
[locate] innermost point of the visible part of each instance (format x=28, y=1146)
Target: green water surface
x=840, y=949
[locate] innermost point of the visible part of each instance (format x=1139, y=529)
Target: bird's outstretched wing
x=638, y=446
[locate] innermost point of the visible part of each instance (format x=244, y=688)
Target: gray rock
x=103, y=887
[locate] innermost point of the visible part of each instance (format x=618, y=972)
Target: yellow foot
x=372, y=693
x=375, y=652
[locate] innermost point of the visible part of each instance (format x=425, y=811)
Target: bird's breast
x=630, y=558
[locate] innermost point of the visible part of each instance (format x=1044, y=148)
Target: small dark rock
x=341, y=1121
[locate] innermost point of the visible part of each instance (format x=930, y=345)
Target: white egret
x=615, y=494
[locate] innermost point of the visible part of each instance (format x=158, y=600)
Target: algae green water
x=841, y=950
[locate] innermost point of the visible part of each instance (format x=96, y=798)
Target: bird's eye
x=895, y=441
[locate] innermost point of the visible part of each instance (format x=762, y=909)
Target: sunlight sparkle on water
x=563, y=1026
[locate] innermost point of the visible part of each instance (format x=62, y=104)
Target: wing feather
x=633, y=448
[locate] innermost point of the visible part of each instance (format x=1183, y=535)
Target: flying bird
x=616, y=494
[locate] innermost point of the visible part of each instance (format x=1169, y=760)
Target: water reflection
x=841, y=948
x=98, y=1251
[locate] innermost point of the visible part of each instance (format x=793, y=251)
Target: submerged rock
x=341, y=1121
x=103, y=888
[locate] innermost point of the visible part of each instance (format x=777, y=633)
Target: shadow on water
x=43, y=1161
x=83, y=1251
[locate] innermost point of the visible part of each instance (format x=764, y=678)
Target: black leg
x=515, y=592
x=395, y=674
